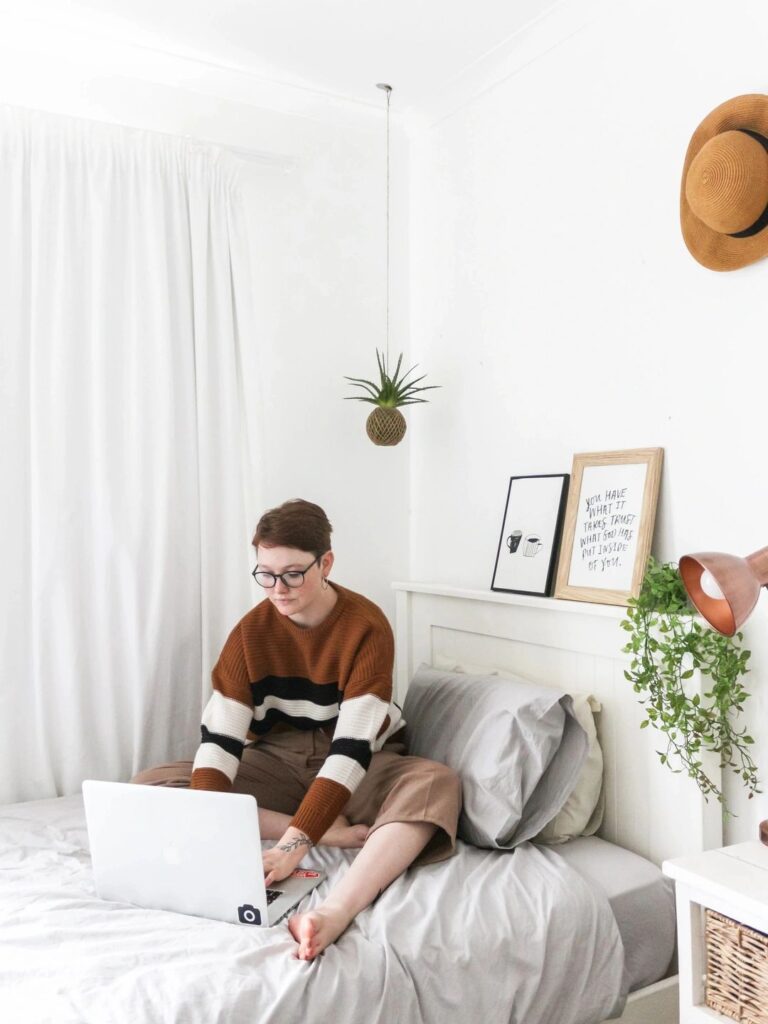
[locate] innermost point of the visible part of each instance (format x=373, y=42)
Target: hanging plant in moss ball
x=386, y=424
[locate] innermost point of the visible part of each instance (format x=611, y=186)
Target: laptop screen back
x=184, y=850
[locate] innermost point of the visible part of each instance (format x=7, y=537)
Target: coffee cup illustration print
x=530, y=532
x=532, y=545
x=513, y=541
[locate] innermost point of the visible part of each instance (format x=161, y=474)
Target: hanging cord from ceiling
x=388, y=90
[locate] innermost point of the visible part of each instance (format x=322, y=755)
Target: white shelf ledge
x=608, y=611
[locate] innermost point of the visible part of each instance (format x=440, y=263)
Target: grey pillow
x=517, y=748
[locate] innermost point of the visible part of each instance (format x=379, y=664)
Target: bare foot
x=344, y=835
x=315, y=930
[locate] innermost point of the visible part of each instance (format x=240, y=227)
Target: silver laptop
x=185, y=850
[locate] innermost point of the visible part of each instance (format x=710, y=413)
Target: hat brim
x=712, y=249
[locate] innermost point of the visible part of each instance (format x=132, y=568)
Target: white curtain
x=126, y=501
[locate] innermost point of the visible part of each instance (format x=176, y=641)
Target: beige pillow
x=582, y=813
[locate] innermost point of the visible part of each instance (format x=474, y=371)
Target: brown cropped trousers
x=279, y=769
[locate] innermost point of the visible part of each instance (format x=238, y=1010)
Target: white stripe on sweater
x=296, y=709
x=209, y=755
x=396, y=721
x=227, y=717
x=344, y=770
x=360, y=718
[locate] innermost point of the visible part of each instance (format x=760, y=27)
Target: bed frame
x=577, y=646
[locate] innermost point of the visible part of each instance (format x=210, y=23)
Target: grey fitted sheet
x=642, y=900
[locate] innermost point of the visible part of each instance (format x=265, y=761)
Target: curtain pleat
x=126, y=484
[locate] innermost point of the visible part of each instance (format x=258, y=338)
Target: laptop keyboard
x=272, y=895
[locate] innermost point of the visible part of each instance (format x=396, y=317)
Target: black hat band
x=762, y=220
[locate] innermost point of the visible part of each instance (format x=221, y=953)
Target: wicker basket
x=737, y=969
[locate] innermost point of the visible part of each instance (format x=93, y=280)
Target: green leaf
x=362, y=381
x=392, y=390
x=662, y=634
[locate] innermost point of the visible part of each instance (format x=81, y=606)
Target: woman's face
x=295, y=601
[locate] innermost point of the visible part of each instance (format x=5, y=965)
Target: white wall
x=554, y=298
x=314, y=189
x=318, y=246
x=551, y=293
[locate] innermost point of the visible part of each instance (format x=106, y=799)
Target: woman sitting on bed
x=301, y=718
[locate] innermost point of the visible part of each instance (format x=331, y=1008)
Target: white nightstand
x=732, y=881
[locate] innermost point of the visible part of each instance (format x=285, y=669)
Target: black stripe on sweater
x=358, y=750
x=295, y=688
x=232, y=746
x=258, y=728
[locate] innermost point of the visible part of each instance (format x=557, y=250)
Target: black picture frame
x=536, y=504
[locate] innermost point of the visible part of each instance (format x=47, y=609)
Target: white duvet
x=487, y=936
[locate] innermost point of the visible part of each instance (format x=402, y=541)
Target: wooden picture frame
x=609, y=524
x=530, y=534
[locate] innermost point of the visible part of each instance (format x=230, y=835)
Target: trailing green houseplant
x=386, y=424
x=668, y=643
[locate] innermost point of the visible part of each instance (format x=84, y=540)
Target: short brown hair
x=295, y=524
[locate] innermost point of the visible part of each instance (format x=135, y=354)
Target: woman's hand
x=284, y=858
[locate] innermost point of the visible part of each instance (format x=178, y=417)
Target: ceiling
x=338, y=47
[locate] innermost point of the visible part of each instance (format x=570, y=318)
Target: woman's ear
x=326, y=563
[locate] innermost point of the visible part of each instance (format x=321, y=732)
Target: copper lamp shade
x=739, y=580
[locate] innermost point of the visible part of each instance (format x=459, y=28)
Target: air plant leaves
x=394, y=389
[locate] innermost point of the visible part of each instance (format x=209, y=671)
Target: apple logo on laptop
x=171, y=854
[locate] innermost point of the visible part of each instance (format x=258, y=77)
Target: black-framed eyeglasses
x=292, y=578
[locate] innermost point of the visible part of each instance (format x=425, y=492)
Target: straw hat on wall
x=724, y=194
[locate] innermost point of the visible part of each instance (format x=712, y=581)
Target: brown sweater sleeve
x=226, y=720
x=363, y=714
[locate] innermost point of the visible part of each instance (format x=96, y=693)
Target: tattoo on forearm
x=294, y=844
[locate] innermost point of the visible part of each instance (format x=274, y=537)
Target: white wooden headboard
x=577, y=646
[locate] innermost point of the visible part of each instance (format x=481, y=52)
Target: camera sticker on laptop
x=248, y=914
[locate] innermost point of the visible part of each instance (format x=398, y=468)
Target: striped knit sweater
x=337, y=674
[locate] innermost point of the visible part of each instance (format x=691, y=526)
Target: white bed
x=648, y=810
x=535, y=936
